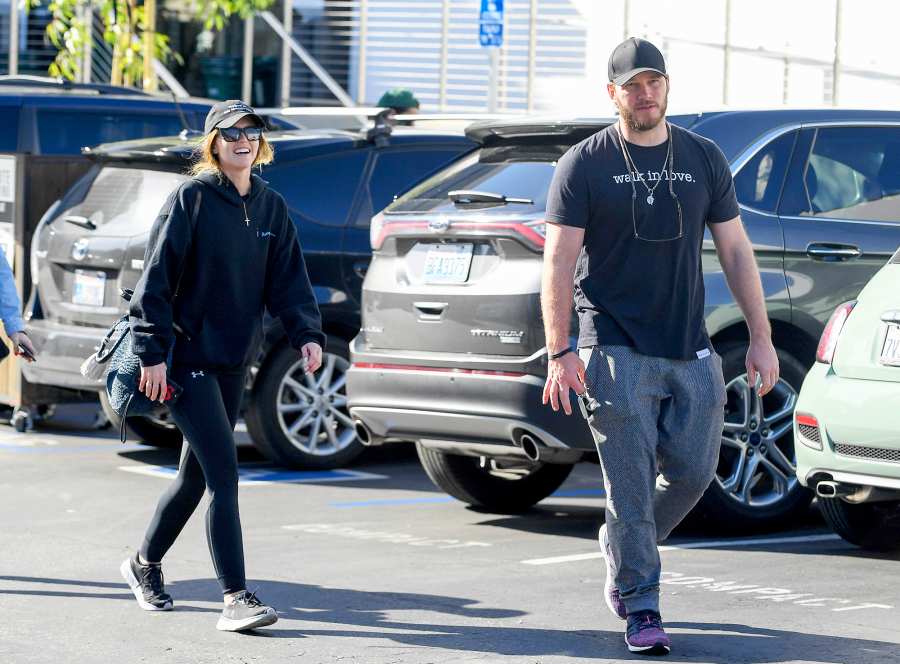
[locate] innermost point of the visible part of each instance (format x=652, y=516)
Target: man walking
x=628, y=207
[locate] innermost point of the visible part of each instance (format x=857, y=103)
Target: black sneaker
x=246, y=612
x=146, y=582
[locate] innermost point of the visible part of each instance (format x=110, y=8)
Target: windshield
x=513, y=179
x=126, y=201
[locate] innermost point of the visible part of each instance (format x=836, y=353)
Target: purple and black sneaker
x=610, y=592
x=645, y=634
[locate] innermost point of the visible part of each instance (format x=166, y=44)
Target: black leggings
x=206, y=414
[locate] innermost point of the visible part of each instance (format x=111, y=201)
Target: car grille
x=810, y=432
x=880, y=453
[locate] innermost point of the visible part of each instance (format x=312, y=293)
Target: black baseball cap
x=632, y=57
x=226, y=114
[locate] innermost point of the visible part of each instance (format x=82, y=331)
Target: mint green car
x=847, y=418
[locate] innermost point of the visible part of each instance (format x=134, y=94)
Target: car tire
x=155, y=431
x=283, y=396
x=775, y=496
x=464, y=478
x=873, y=526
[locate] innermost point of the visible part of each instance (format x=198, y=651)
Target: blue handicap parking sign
x=490, y=23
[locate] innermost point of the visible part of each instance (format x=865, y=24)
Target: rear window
x=513, y=178
x=90, y=128
x=126, y=201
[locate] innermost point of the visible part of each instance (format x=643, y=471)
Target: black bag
x=116, y=358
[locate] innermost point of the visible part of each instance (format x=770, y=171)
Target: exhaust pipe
x=530, y=446
x=365, y=435
x=831, y=489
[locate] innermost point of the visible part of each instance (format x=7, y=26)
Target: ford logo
x=438, y=225
x=80, y=250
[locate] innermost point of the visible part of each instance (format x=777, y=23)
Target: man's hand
x=562, y=375
x=21, y=339
x=762, y=360
x=153, y=382
x=312, y=354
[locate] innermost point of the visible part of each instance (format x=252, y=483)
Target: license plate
x=890, y=351
x=89, y=288
x=448, y=263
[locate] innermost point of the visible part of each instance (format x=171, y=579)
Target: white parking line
x=713, y=544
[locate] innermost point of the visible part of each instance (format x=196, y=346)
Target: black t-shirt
x=629, y=290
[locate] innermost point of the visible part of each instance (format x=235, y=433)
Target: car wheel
x=301, y=420
x=156, y=430
x=756, y=484
x=490, y=484
x=874, y=526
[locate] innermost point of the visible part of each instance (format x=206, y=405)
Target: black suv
x=91, y=244
x=451, y=352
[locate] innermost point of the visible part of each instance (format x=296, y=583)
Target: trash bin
x=221, y=76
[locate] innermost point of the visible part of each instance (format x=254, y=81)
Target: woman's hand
x=312, y=355
x=153, y=382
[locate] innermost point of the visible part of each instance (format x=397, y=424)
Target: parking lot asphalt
x=373, y=564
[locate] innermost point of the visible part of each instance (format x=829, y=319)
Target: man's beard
x=634, y=124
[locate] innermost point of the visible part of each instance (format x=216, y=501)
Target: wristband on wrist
x=565, y=351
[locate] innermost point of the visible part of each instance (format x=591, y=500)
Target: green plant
x=130, y=30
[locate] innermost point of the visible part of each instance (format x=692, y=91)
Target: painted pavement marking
x=351, y=532
x=261, y=476
x=593, y=555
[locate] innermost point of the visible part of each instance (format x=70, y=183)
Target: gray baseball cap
x=226, y=114
x=632, y=57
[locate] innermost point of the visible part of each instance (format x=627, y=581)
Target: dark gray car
x=452, y=355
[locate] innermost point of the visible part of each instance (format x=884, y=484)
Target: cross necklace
x=629, y=163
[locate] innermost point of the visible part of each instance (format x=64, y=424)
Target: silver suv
x=452, y=354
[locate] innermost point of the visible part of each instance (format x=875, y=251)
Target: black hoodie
x=239, y=256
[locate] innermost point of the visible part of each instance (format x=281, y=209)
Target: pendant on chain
x=650, y=199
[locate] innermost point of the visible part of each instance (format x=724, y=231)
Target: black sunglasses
x=233, y=134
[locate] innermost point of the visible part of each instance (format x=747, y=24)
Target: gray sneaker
x=610, y=592
x=247, y=612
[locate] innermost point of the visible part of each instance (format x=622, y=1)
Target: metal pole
x=247, y=84
x=286, y=54
x=317, y=69
x=361, y=76
x=626, y=20
x=532, y=52
x=726, y=68
x=167, y=78
x=445, y=46
x=87, y=64
x=493, y=81
x=836, y=66
x=150, y=83
x=13, y=37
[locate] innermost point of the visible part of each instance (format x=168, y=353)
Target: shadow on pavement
x=365, y=615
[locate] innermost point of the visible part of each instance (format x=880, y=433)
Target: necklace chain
x=632, y=166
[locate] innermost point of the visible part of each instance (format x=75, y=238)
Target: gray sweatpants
x=658, y=425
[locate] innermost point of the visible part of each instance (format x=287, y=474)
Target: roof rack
x=24, y=80
x=382, y=118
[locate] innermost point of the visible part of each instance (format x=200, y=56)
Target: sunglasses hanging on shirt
x=652, y=209
x=233, y=134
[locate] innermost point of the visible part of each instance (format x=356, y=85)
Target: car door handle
x=430, y=310
x=360, y=268
x=833, y=252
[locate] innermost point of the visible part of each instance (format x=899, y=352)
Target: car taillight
x=531, y=232
x=829, y=340
x=808, y=428
x=375, y=229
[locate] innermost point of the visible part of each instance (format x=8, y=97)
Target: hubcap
x=757, y=462
x=312, y=410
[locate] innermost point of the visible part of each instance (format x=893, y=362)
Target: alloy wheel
x=757, y=461
x=312, y=409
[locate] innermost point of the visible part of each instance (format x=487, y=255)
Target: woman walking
x=222, y=250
